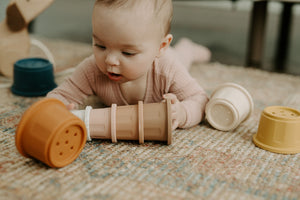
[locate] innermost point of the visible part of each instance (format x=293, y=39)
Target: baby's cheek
x=134, y=72
x=101, y=65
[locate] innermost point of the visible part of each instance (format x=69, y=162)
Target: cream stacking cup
x=229, y=105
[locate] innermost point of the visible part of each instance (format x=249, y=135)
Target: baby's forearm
x=194, y=108
x=69, y=93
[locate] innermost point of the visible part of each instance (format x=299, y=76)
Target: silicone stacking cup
x=279, y=130
x=229, y=105
x=33, y=77
x=133, y=122
x=158, y=121
x=50, y=133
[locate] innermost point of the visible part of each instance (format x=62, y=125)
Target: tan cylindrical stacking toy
x=49, y=132
x=133, y=122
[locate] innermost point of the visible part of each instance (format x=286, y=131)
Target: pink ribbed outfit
x=167, y=75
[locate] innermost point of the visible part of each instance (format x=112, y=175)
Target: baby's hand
x=178, y=112
x=70, y=106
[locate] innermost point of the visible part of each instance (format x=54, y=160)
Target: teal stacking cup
x=33, y=77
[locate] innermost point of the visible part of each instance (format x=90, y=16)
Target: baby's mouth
x=114, y=76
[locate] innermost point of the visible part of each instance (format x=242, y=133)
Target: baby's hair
x=163, y=9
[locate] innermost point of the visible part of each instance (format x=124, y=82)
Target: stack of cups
x=133, y=122
x=229, y=105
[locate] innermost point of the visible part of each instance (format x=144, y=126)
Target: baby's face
x=125, y=42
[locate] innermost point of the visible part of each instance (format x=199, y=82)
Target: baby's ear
x=165, y=43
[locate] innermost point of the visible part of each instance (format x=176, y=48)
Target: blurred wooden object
x=13, y=46
x=284, y=36
x=257, y=31
x=14, y=36
x=256, y=36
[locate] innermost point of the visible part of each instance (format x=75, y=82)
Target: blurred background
x=222, y=26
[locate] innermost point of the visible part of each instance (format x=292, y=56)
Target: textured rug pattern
x=201, y=163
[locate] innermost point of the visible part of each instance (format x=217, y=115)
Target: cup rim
x=30, y=94
x=280, y=150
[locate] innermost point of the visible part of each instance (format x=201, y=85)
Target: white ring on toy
x=87, y=122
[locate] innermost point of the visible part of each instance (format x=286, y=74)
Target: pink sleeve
x=191, y=95
x=78, y=86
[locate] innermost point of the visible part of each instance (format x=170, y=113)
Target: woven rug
x=201, y=163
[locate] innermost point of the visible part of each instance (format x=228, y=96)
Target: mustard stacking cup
x=279, y=130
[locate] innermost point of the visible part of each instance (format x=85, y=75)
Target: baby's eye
x=100, y=46
x=128, y=53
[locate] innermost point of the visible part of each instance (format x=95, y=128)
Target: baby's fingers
x=172, y=97
x=70, y=106
x=174, y=119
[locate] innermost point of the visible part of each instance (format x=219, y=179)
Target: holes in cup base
x=67, y=143
x=285, y=113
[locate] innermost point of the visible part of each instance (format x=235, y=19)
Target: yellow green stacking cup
x=279, y=130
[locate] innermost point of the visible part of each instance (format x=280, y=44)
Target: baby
x=132, y=61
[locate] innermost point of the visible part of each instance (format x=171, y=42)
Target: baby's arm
x=188, y=100
x=75, y=88
x=188, y=112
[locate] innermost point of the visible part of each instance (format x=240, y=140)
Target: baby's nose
x=112, y=59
